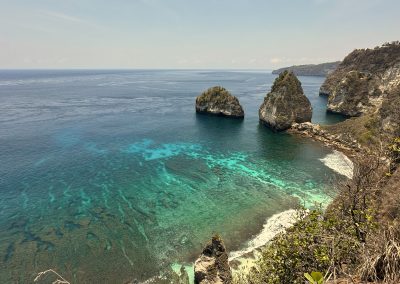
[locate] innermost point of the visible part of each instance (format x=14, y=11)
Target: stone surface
x=389, y=113
x=285, y=104
x=355, y=94
x=333, y=140
x=218, y=101
x=212, y=266
x=362, y=80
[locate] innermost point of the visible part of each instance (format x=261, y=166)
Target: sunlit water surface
x=109, y=176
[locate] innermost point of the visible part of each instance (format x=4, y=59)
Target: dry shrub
x=381, y=258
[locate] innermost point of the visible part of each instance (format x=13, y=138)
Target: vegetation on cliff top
x=289, y=81
x=216, y=94
x=218, y=101
x=372, y=61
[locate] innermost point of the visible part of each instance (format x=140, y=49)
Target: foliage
x=312, y=244
x=215, y=94
x=315, y=277
x=394, y=154
x=381, y=259
x=288, y=80
x=332, y=241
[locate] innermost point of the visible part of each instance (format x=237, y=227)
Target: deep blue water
x=109, y=176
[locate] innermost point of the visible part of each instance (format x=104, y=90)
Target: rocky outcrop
x=285, y=104
x=212, y=266
x=218, y=101
x=389, y=114
x=323, y=69
x=364, y=77
x=337, y=141
x=355, y=94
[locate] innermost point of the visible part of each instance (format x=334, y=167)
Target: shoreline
x=317, y=133
x=340, y=161
x=244, y=259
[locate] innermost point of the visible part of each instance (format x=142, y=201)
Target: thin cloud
x=69, y=18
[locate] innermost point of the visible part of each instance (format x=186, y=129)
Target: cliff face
x=218, y=101
x=323, y=69
x=285, y=104
x=362, y=80
x=389, y=113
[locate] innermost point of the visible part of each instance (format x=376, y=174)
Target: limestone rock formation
x=212, y=266
x=355, y=94
x=364, y=77
x=218, y=101
x=389, y=113
x=285, y=104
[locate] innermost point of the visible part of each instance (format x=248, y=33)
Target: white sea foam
x=340, y=163
x=276, y=224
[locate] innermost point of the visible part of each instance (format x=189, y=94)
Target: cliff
x=218, y=101
x=362, y=80
x=323, y=69
x=285, y=104
x=357, y=238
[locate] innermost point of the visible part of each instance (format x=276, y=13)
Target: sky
x=190, y=34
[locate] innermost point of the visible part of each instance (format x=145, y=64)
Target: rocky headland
x=323, y=69
x=362, y=80
x=285, y=104
x=218, y=101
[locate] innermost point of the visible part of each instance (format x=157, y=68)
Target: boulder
x=212, y=266
x=285, y=104
x=218, y=101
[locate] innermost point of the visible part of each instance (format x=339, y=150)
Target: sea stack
x=212, y=266
x=285, y=104
x=218, y=101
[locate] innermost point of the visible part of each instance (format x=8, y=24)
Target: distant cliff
x=323, y=69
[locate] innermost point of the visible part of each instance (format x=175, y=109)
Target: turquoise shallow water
x=109, y=176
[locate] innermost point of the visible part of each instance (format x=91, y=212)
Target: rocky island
x=323, y=69
x=218, y=101
x=363, y=79
x=285, y=104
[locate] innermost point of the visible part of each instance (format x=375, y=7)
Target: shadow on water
x=276, y=145
x=282, y=146
x=320, y=113
x=218, y=127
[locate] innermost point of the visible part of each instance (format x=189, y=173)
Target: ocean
x=109, y=175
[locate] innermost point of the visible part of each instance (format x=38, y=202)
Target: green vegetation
x=288, y=80
x=217, y=95
x=357, y=236
x=315, y=277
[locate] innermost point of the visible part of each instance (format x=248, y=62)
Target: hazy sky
x=189, y=33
